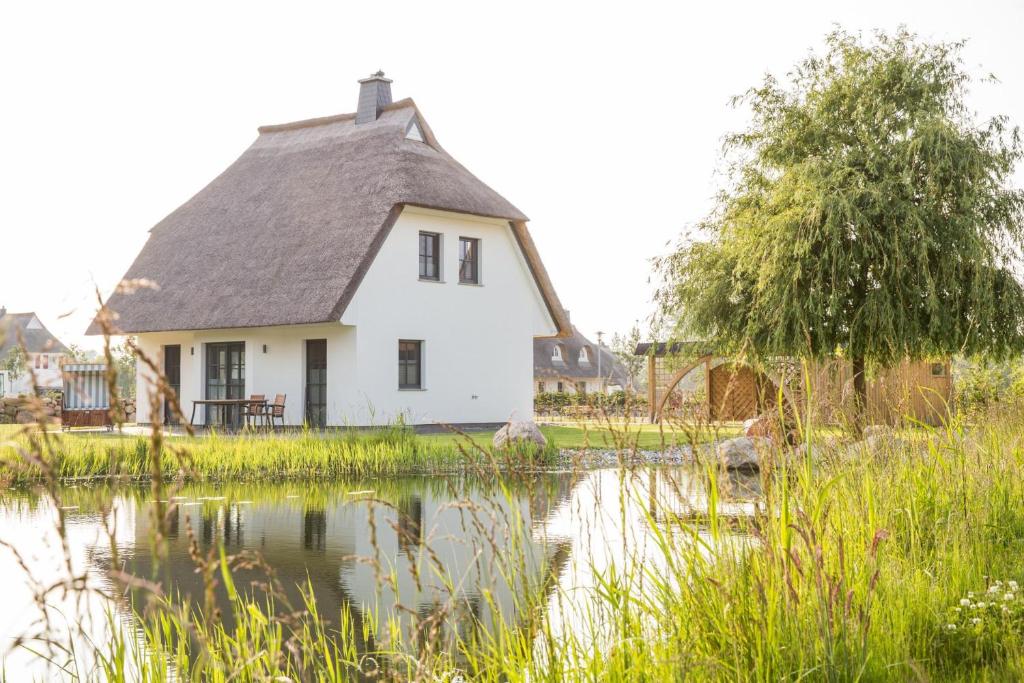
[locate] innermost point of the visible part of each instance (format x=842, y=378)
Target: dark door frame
x=172, y=375
x=226, y=387
x=316, y=383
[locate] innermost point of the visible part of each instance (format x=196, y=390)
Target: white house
x=45, y=354
x=576, y=365
x=351, y=264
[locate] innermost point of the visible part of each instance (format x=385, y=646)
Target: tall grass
x=851, y=569
x=256, y=455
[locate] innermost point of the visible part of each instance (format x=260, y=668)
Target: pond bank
x=388, y=451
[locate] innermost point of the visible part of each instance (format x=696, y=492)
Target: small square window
x=540, y=387
x=430, y=256
x=410, y=364
x=938, y=369
x=469, y=260
x=561, y=387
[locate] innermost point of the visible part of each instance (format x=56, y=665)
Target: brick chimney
x=374, y=95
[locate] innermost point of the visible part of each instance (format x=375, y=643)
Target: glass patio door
x=225, y=378
x=316, y=382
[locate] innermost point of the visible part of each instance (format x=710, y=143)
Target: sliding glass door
x=316, y=382
x=225, y=378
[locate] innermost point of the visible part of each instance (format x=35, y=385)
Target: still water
x=404, y=547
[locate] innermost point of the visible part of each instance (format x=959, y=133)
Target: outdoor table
x=240, y=402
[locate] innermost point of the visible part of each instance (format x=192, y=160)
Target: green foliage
x=869, y=214
x=80, y=355
x=982, y=383
x=561, y=401
x=15, y=364
x=125, y=364
x=623, y=346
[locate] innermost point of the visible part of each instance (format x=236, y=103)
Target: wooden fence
x=912, y=390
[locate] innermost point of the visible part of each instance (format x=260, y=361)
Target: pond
x=465, y=548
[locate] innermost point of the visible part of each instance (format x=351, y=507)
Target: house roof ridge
x=327, y=120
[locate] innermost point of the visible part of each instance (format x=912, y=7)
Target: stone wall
x=20, y=410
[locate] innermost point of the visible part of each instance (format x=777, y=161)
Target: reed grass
x=256, y=455
x=853, y=569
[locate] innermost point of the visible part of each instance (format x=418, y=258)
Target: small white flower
x=993, y=588
x=1012, y=585
x=1008, y=596
x=975, y=620
x=970, y=594
x=982, y=605
x=956, y=609
x=965, y=603
x=950, y=627
x=1006, y=610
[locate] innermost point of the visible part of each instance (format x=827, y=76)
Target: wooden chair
x=275, y=411
x=256, y=408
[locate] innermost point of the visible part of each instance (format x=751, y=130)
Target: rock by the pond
x=743, y=452
x=525, y=432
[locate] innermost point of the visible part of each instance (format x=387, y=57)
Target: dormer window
x=414, y=132
x=585, y=355
x=556, y=354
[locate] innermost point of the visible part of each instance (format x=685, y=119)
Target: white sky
x=603, y=123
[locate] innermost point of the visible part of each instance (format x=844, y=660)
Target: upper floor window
x=430, y=256
x=410, y=364
x=585, y=354
x=469, y=260
x=556, y=354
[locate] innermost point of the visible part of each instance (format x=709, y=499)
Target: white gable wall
x=478, y=340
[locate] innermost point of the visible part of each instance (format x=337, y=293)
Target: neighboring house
x=45, y=353
x=570, y=365
x=351, y=264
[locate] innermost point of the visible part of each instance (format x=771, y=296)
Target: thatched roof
x=285, y=234
x=570, y=367
x=694, y=347
x=30, y=329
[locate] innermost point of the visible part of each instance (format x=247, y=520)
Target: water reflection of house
x=356, y=552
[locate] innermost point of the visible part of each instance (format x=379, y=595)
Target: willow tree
x=869, y=214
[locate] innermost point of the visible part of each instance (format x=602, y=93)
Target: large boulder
x=519, y=433
x=743, y=452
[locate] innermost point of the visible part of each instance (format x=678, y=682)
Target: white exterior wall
x=477, y=339
x=49, y=377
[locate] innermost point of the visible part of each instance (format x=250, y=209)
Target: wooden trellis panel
x=737, y=392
